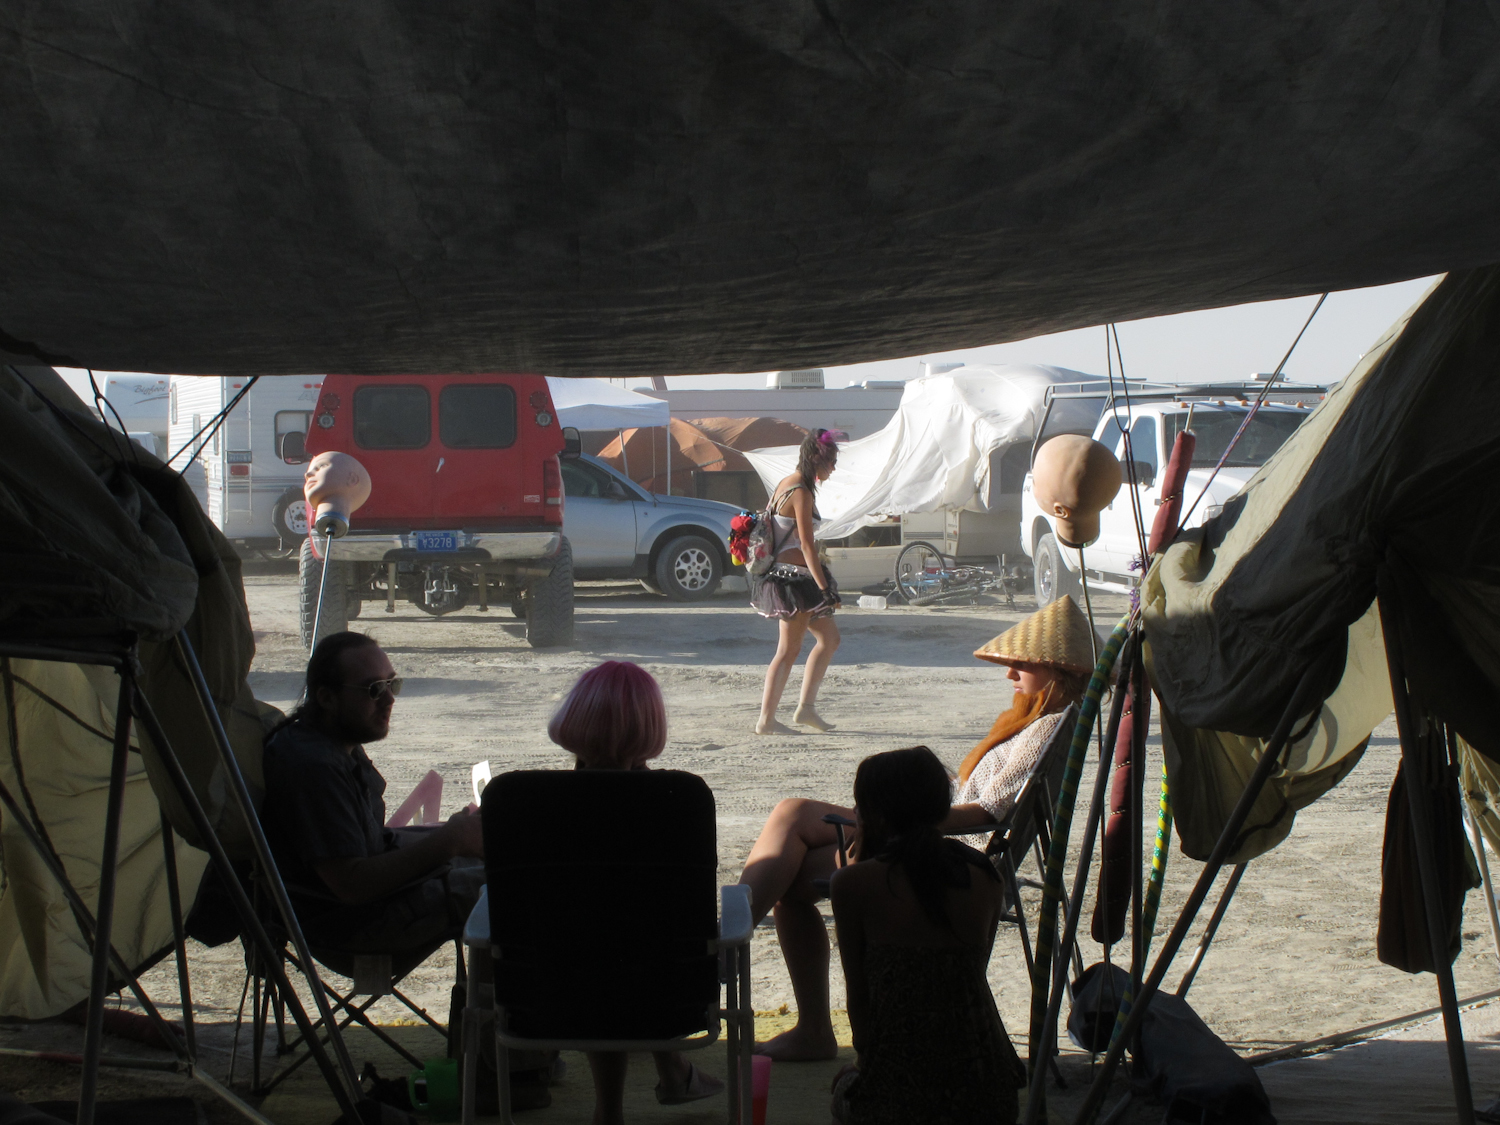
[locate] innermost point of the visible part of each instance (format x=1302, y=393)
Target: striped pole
x=1159, y=855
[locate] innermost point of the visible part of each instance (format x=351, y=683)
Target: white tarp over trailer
x=935, y=453
x=597, y=404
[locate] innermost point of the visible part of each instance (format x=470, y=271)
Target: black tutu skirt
x=787, y=590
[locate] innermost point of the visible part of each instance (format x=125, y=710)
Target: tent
x=744, y=434
x=937, y=452
x=132, y=740
x=644, y=454
x=664, y=187
x=597, y=404
x=1353, y=575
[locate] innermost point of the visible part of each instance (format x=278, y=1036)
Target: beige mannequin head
x=1074, y=479
x=335, y=485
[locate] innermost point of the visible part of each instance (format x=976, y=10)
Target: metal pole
x=322, y=587
x=1422, y=833
x=1477, y=839
x=1140, y=719
x=1047, y=1039
x=179, y=936
x=243, y=908
x=267, y=860
x=1227, y=839
x=104, y=910
x=1213, y=927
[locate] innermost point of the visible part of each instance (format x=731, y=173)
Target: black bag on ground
x=1195, y=1072
x=1096, y=1002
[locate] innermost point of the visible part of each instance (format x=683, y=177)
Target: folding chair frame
x=737, y=1017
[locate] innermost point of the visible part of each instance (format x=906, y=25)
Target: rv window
x=477, y=416
x=392, y=417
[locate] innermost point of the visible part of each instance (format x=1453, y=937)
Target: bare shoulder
x=857, y=881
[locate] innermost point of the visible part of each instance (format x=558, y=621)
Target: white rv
x=250, y=483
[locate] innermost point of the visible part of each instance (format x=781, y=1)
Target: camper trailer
x=250, y=483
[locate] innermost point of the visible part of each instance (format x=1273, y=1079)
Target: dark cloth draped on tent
x=101, y=543
x=660, y=186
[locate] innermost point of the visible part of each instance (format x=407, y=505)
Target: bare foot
x=810, y=718
x=773, y=727
x=799, y=1045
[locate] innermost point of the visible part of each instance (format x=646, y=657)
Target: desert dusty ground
x=1294, y=959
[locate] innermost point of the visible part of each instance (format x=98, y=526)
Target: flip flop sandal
x=699, y=1085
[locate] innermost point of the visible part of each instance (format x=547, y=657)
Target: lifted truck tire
x=549, y=603
x=1051, y=577
x=309, y=580
x=688, y=569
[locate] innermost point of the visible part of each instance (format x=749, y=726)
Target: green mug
x=434, y=1089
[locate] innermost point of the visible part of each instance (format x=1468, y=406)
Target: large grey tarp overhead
x=713, y=185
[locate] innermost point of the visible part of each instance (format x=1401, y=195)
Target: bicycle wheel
x=919, y=571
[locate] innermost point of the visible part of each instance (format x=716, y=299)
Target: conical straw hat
x=1055, y=637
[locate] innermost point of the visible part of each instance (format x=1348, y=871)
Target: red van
x=466, y=504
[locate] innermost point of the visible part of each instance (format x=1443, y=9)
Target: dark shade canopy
x=635, y=186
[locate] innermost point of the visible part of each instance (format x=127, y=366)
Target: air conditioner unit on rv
x=810, y=378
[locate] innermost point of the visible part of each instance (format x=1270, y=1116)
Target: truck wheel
x=289, y=517
x=335, y=617
x=1051, y=576
x=688, y=569
x=549, y=603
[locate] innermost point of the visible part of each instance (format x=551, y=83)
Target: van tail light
x=552, y=491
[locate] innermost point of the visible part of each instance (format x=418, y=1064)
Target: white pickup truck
x=1153, y=421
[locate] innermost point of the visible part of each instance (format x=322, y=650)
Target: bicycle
x=926, y=576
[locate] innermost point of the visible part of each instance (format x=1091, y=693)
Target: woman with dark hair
x=614, y=719
x=916, y=920
x=1047, y=657
x=798, y=591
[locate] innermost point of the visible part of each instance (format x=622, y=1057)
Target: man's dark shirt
x=321, y=803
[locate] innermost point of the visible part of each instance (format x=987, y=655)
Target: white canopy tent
x=935, y=453
x=597, y=404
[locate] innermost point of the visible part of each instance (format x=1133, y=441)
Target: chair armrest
x=477, y=928
x=735, y=926
x=835, y=818
x=975, y=829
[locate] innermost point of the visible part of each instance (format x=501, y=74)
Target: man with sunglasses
x=358, y=886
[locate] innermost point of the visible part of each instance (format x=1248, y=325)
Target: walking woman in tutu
x=798, y=591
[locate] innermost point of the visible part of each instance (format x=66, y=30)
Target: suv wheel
x=335, y=617
x=1051, y=576
x=688, y=569
x=549, y=603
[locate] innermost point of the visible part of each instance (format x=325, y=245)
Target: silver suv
x=676, y=545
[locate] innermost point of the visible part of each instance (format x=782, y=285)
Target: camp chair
x=599, y=929
x=371, y=977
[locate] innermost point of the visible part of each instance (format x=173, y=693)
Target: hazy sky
x=1222, y=344
x=1219, y=344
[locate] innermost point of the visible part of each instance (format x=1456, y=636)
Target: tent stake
x=1422, y=833
x=1227, y=840
x=104, y=910
x=1046, y=1044
x=1213, y=928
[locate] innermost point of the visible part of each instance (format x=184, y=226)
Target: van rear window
x=392, y=417
x=477, y=416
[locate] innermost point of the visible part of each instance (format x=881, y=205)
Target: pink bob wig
x=614, y=717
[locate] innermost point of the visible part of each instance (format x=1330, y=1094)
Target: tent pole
x=104, y=910
x=322, y=586
x=1476, y=839
x=1140, y=721
x=1228, y=838
x=1213, y=927
x=342, y=1093
x=1422, y=833
x=179, y=936
x=1046, y=1043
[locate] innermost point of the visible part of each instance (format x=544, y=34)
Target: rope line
x=211, y=427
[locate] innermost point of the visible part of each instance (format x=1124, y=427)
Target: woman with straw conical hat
x=1048, y=657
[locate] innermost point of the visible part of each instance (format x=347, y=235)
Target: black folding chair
x=600, y=929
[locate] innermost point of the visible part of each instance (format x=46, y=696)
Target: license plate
x=436, y=540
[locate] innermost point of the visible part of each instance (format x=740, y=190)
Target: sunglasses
x=376, y=688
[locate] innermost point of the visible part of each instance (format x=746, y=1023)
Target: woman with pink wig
x=798, y=591
x=614, y=719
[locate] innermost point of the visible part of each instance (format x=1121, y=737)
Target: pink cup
x=760, y=1088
